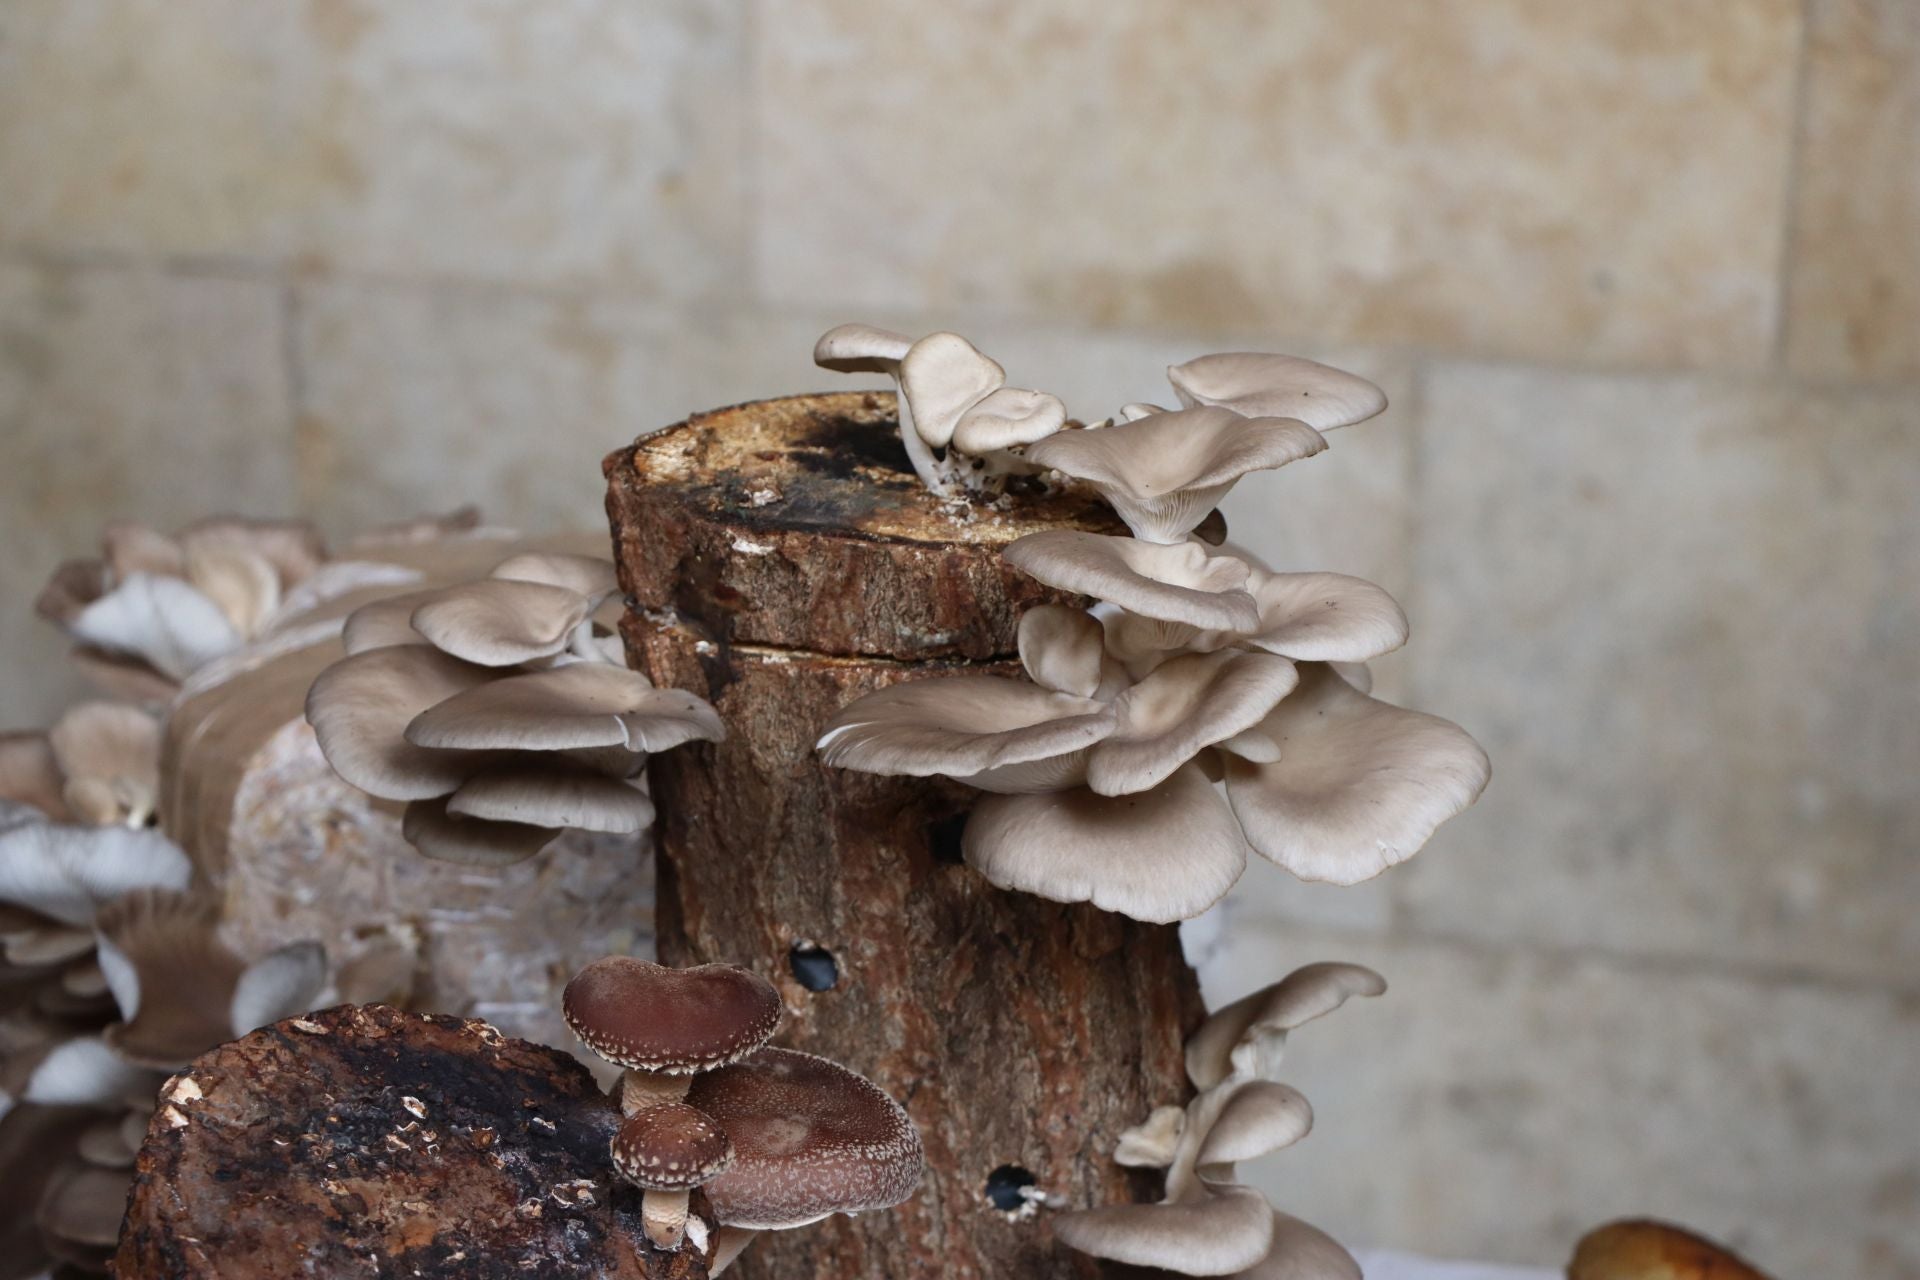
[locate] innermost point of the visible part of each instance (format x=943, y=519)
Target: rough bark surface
x=368, y=1142
x=782, y=560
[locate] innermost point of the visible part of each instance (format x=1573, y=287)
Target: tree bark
x=367, y=1142
x=781, y=559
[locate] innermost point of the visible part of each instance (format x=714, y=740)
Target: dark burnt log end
x=1021, y=1034
x=368, y=1142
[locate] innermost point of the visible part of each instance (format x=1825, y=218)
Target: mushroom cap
x=240, y=581
x=498, y=622
x=1154, y=1142
x=590, y=576
x=1160, y=855
x=379, y=624
x=810, y=1138
x=293, y=547
x=1183, y=706
x=1261, y=385
x=109, y=751
x=648, y=1017
x=860, y=348
x=360, y=709
x=472, y=842
x=1064, y=649
x=1229, y=1039
x=1358, y=786
x=941, y=377
x=552, y=793
x=1257, y=1119
x=670, y=1147
x=960, y=725
x=1008, y=418
x=1180, y=583
x=1165, y=473
x=1302, y=1251
x=1216, y=1233
x=66, y=872
x=165, y=621
x=583, y=704
x=1325, y=617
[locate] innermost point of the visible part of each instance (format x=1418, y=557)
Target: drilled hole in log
x=813, y=966
x=1004, y=1186
x=943, y=837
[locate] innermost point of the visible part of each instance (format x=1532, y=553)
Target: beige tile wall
x=1641, y=278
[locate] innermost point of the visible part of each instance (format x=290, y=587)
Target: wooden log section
x=781, y=559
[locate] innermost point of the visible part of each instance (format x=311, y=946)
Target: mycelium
x=1204, y=705
x=1208, y=1224
x=777, y=1139
x=499, y=712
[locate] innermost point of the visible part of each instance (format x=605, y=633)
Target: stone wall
x=1642, y=278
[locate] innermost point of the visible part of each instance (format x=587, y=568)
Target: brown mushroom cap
x=670, y=1147
x=648, y=1017
x=810, y=1138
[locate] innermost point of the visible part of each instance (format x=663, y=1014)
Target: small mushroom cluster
x=99, y=765
x=113, y=976
x=774, y=1138
x=1209, y=1224
x=499, y=711
x=1195, y=667
x=153, y=608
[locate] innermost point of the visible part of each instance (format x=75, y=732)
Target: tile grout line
x=1797, y=126
x=293, y=368
x=752, y=157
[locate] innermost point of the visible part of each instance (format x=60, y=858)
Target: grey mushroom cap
x=1008, y=419
x=860, y=348
x=1181, y=583
x=552, y=793
x=811, y=1138
x=1219, y=1232
x=1164, y=474
x=959, y=726
x=498, y=622
x=361, y=706
x=1325, y=617
x=1183, y=706
x=941, y=377
x=1159, y=855
x=1257, y=1119
x=1358, y=785
x=1262, y=385
x=583, y=704
x=472, y=842
x=1229, y=1039
x=1302, y=1251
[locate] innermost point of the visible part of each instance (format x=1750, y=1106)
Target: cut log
x=364, y=1142
x=781, y=559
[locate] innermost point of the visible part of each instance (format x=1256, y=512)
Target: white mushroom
x=961, y=726
x=1325, y=617
x=360, y=708
x=582, y=705
x=1356, y=786
x=1165, y=473
x=1158, y=855
x=1260, y=385
x=1064, y=649
x=860, y=348
x=942, y=376
x=1216, y=1232
x=1247, y=1036
x=498, y=622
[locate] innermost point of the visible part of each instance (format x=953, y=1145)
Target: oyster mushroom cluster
x=1209, y=1224
x=774, y=1138
x=499, y=711
x=1204, y=706
x=113, y=976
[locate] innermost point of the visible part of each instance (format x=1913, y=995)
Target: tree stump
x=368, y=1142
x=781, y=559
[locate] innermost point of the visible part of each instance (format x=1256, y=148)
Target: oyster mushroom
x=1259, y=385
x=1165, y=473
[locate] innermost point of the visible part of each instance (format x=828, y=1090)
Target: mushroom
x=30, y=774
x=861, y=348
x=1349, y=786
x=667, y=1150
x=665, y=1025
x=1259, y=385
x=1159, y=855
x=1216, y=1232
x=1165, y=473
x=1183, y=706
x=1182, y=583
x=498, y=713
x=810, y=1139
x=108, y=754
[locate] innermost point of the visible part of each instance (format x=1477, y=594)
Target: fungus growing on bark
x=810, y=1139
x=496, y=711
x=1208, y=1224
x=1194, y=666
x=667, y=1150
x=664, y=1025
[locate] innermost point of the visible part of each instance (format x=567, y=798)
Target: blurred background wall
x=1642, y=279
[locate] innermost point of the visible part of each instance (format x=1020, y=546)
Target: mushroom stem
x=729, y=1243
x=642, y=1089
x=664, y=1216
x=920, y=453
x=1202, y=1113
